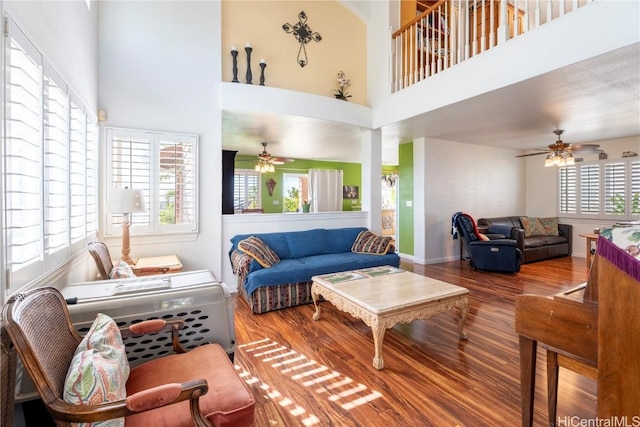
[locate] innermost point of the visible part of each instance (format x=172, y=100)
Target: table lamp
x=126, y=201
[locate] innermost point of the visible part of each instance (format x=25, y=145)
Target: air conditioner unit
x=204, y=304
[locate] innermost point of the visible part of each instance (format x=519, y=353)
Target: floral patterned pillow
x=99, y=370
x=122, y=270
x=532, y=226
x=550, y=226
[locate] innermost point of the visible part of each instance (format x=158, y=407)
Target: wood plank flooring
x=306, y=373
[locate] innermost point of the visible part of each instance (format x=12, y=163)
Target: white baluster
x=503, y=29
x=516, y=24
x=467, y=48
x=549, y=11
x=561, y=10
x=492, y=20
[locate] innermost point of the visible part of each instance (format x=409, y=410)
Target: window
x=246, y=190
x=605, y=189
x=46, y=151
x=296, y=187
x=163, y=165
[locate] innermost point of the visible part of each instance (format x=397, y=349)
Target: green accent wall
x=405, y=223
x=352, y=175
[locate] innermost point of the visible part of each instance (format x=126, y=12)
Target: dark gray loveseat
x=534, y=248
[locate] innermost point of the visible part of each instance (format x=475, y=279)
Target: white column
x=371, y=191
x=419, y=201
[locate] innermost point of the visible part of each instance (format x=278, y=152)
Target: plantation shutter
x=131, y=168
x=23, y=158
x=590, y=189
x=56, y=160
x=635, y=189
x=77, y=165
x=246, y=192
x=615, y=193
x=567, y=189
x=92, y=178
x=177, y=180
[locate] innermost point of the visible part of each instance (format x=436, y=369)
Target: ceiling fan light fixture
x=548, y=161
x=569, y=160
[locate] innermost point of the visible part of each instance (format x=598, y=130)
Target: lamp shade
x=126, y=201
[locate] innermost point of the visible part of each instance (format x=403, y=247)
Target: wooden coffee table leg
x=464, y=310
x=378, y=337
x=315, y=296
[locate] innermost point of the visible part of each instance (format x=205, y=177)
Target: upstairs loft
x=561, y=53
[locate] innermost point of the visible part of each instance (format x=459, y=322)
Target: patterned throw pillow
x=259, y=251
x=122, y=270
x=550, y=226
x=99, y=370
x=370, y=243
x=532, y=226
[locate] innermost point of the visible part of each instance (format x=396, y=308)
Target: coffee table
x=385, y=296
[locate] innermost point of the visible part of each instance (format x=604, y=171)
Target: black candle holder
x=234, y=54
x=248, y=49
x=262, y=67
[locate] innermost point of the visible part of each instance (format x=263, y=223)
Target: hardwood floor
x=306, y=373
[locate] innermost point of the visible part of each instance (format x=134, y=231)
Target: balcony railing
x=451, y=31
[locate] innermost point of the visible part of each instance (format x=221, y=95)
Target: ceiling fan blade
x=533, y=154
x=280, y=160
x=585, y=148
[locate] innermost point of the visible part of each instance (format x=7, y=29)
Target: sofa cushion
x=259, y=251
x=539, y=241
x=303, y=269
x=550, y=226
x=532, y=226
x=370, y=243
x=298, y=244
x=99, y=369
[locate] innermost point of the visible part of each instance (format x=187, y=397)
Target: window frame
x=602, y=181
x=245, y=173
x=52, y=125
x=152, y=226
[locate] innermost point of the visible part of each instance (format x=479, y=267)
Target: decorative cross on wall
x=303, y=34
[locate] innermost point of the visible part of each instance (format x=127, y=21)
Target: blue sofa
x=303, y=254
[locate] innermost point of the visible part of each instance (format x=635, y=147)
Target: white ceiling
x=594, y=100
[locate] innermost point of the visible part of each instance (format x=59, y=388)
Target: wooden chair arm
x=156, y=326
x=142, y=401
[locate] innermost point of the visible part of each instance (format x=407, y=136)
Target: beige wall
x=343, y=45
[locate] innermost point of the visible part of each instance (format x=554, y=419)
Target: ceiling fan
x=266, y=161
x=561, y=154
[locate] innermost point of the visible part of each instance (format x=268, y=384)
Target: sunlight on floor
x=339, y=389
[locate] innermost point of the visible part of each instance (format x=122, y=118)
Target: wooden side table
x=149, y=265
x=591, y=237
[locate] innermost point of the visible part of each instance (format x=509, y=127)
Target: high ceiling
x=594, y=100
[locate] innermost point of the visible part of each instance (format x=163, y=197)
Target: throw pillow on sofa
x=370, y=243
x=258, y=250
x=550, y=226
x=532, y=226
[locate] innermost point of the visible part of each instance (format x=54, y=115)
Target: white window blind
x=77, y=172
x=635, y=189
x=177, y=183
x=615, y=192
x=131, y=168
x=602, y=189
x=46, y=162
x=246, y=189
x=56, y=161
x=23, y=156
x=567, y=189
x=93, y=140
x=164, y=166
x=590, y=189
